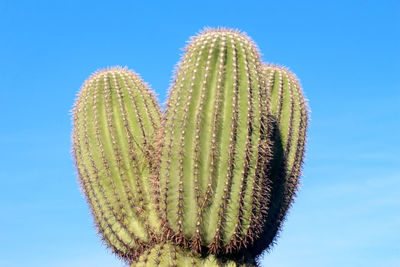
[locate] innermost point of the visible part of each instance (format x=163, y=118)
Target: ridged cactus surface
x=289, y=119
x=216, y=144
x=167, y=254
x=209, y=180
x=115, y=120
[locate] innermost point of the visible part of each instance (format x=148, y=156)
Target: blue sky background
x=346, y=54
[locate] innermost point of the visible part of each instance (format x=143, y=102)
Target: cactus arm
x=292, y=125
x=102, y=204
x=213, y=134
x=93, y=190
x=289, y=110
x=109, y=144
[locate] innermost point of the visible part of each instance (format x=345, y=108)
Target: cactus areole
x=208, y=180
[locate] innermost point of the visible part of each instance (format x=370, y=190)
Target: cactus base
x=169, y=255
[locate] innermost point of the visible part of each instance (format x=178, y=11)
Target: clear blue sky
x=346, y=54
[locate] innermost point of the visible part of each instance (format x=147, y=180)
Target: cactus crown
x=210, y=179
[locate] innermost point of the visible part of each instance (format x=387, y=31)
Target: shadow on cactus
x=208, y=180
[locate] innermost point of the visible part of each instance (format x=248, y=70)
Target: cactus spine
x=209, y=180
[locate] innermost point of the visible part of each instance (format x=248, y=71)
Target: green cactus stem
x=289, y=115
x=115, y=120
x=216, y=145
x=167, y=254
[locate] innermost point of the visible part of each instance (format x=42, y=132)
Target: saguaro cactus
x=208, y=181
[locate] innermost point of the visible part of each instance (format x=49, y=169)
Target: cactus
x=208, y=181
